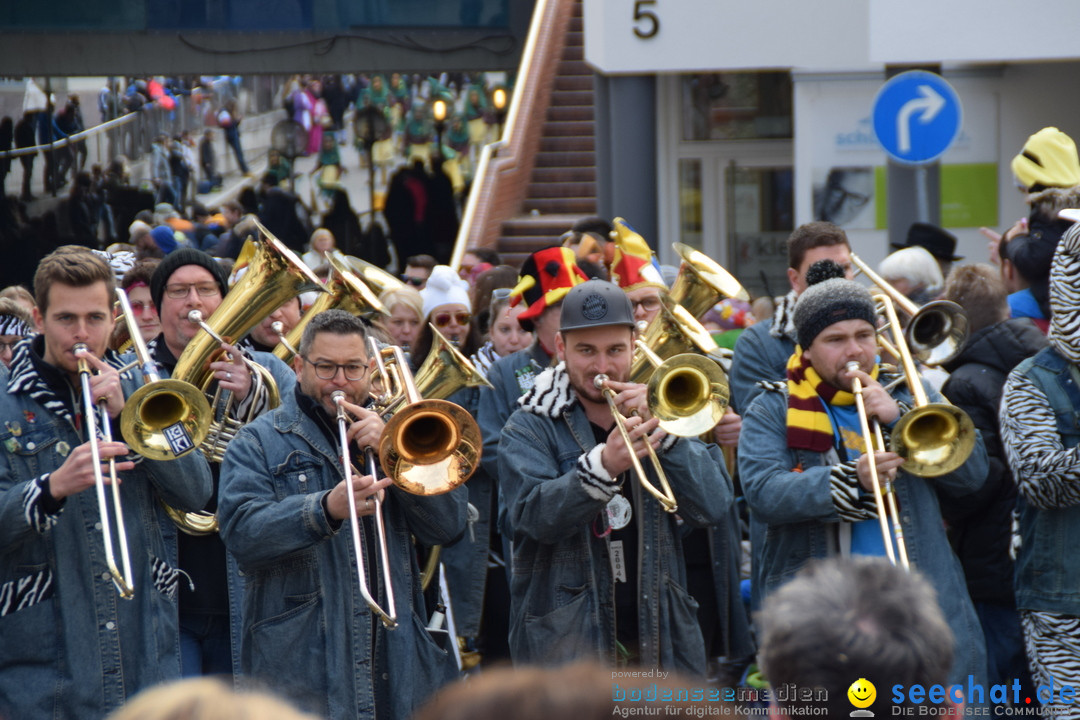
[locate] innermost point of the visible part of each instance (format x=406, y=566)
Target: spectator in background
x=7, y=139
x=980, y=524
x=417, y=270
x=20, y=295
x=24, y=138
x=406, y=311
x=322, y=247
x=914, y=273
x=475, y=257
x=229, y=119
x=208, y=160
x=1025, y=269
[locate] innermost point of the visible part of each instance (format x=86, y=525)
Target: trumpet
x=875, y=443
x=163, y=419
x=388, y=616
x=936, y=332
x=665, y=497
x=124, y=582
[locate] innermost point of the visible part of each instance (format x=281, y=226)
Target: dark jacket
x=980, y=524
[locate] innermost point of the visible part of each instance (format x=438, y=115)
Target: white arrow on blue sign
x=917, y=116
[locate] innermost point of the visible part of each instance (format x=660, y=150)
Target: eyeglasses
x=649, y=304
x=443, y=319
x=140, y=307
x=414, y=281
x=204, y=289
x=10, y=346
x=500, y=294
x=329, y=370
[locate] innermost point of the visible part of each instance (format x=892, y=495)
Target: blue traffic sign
x=917, y=116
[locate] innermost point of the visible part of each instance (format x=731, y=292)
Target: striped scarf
x=808, y=424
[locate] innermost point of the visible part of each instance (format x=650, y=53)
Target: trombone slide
x=874, y=443
x=124, y=582
x=665, y=497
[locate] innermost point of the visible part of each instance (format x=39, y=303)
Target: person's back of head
x=842, y=620
x=427, y=262
x=205, y=698
x=811, y=235
x=980, y=290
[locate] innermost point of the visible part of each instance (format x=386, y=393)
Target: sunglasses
x=443, y=319
x=414, y=281
x=500, y=294
x=140, y=307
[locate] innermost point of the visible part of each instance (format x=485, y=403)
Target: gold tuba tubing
x=344, y=291
x=672, y=332
x=702, y=282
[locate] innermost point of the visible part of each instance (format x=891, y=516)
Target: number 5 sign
x=646, y=22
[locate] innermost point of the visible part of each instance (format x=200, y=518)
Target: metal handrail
x=74, y=137
x=491, y=149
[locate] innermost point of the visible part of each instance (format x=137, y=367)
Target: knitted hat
x=178, y=259
x=165, y=238
x=633, y=267
x=1048, y=159
x=444, y=287
x=546, y=276
x=828, y=302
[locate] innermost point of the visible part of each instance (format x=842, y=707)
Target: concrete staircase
x=562, y=187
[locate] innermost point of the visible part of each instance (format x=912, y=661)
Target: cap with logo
x=595, y=303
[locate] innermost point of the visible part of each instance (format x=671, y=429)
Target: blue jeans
x=1006, y=657
x=205, y=647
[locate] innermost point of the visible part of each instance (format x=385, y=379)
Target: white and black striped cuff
x=36, y=515
x=594, y=478
x=847, y=496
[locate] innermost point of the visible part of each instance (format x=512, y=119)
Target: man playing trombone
x=308, y=630
x=807, y=476
x=80, y=635
x=598, y=570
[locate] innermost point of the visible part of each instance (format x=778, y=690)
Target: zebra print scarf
x=1065, y=296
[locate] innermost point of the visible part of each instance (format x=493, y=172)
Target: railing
x=515, y=149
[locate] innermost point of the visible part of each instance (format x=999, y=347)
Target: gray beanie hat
x=828, y=302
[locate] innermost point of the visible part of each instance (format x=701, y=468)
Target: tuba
x=672, y=332
x=344, y=291
x=274, y=275
x=702, y=282
x=374, y=276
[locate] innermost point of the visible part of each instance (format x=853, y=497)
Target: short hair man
x=806, y=474
x=1038, y=430
x=980, y=524
x=283, y=500
x=71, y=648
x=763, y=349
x=590, y=546
x=418, y=269
x=187, y=280
x=840, y=621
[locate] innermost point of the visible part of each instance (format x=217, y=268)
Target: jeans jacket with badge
x=305, y=623
x=799, y=495
x=70, y=647
x=562, y=589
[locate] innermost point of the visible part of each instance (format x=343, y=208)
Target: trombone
x=665, y=497
x=933, y=438
x=388, y=616
x=874, y=443
x=936, y=331
x=124, y=582
x=163, y=419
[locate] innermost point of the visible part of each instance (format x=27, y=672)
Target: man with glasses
x=283, y=504
x=187, y=280
x=633, y=269
x=417, y=270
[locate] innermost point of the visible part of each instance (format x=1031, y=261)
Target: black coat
x=980, y=524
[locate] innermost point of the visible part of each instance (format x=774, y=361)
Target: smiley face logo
x=862, y=693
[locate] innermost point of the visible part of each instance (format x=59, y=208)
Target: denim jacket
x=562, y=591
x=305, y=623
x=791, y=492
x=1047, y=570
x=70, y=647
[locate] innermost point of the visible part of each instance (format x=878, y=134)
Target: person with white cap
x=598, y=568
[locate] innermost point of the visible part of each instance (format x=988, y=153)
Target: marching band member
x=186, y=280
x=72, y=649
x=598, y=569
x=307, y=631
x=1039, y=432
x=806, y=475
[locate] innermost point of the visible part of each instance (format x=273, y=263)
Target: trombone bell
x=934, y=439
x=688, y=394
x=430, y=447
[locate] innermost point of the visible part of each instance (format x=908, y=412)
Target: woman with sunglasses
x=136, y=283
x=448, y=308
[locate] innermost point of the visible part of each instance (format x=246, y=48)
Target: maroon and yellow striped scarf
x=808, y=425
